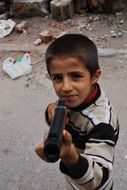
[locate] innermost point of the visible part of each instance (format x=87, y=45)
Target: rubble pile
x=63, y=8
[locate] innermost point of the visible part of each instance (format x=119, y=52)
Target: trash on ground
x=119, y=23
x=120, y=34
x=6, y=27
x=116, y=34
x=113, y=34
x=18, y=59
x=37, y=42
x=17, y=68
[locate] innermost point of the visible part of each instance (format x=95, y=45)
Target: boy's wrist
x=78, y=170
x=71, y=158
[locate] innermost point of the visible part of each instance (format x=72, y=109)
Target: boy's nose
x=66, y=86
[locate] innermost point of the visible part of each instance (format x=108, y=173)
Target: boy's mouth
x=69, y=98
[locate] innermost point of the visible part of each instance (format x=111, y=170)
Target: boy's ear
x=96, y=76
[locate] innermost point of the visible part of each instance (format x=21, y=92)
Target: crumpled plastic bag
x=6, y=26
x=17, y=69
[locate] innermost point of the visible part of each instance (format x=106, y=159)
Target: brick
x=45, y=36
x=21, y=26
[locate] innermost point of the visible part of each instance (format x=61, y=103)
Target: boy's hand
x=40, y=147
x=68, y=153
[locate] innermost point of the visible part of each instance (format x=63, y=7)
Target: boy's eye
x=57, y=78
x=76, y=76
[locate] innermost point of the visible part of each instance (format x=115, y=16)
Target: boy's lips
x=69, y=97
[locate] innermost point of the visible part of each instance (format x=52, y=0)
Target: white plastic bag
x=17, y=69
x=6, y=26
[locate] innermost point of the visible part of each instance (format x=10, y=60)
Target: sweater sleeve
x=93, y=170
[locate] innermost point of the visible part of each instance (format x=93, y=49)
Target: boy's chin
x=71, y=105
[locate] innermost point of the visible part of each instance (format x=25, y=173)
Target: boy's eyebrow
x=73, y=72
x=53, y=74
x=76, y=72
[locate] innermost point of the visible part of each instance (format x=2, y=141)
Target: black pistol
x=52, y=145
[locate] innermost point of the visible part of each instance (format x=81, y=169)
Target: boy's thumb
x=67, y=137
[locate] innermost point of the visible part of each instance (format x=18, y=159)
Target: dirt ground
x=23, y=100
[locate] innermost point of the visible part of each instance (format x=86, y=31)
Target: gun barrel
x=53, y=143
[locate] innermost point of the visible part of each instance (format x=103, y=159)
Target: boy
x=91, y=132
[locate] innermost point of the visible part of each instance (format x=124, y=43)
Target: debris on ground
x=119, y=23
x=21, y=27
x=46, y=36
x=37, y=42
x=116, y=34
x=4, y=16
x=31, y=76
x=41, y=31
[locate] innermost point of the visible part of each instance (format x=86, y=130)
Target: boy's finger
x=67, y=137
x=50, y=117
x=45, y=136
x=40, y=147
x=39, y=151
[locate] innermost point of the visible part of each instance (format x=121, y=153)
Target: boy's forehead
x=68, y=64
x=67, y=60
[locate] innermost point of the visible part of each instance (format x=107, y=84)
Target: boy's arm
x=90, y=170
x=93, y=169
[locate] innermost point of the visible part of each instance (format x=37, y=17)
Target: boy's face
x=71, y=80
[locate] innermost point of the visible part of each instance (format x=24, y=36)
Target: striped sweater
x=94, y=128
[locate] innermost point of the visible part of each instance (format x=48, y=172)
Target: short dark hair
x=77, y=46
